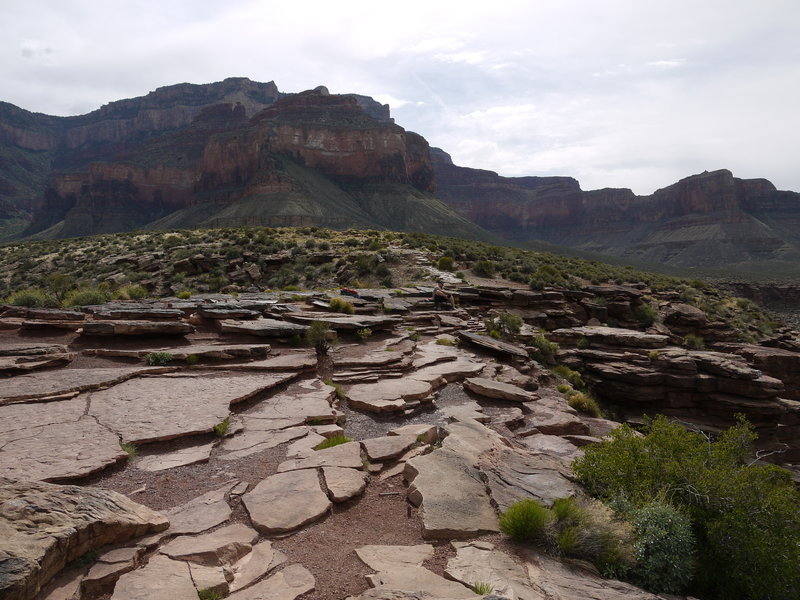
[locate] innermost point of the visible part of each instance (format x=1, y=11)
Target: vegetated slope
x=713, y=222
x=253, y=259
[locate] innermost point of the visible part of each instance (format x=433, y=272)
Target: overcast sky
x=616, y=93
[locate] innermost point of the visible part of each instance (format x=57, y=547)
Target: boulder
x=497, y=390
x=45, y=526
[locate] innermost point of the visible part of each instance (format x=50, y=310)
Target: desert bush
x=332, y=441
x=525, y=520
x=158, y=358
x=341, y=306
x=484, y=268
x=316, y=336
x=32, y=298
x=183, y=295
x=565, y=388
x=131, y=292
x=573, y=377
x=445, y=263
x=585, y=404
x=745, y=515
x=543, y=349
x=693, y=342
x=363, y=334
x=663, y=548
x=583, y=343
x=85, y=296
x=192, y=359
x=645, y=314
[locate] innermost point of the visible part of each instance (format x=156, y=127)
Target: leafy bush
x=543, y=349
x=484, y=268
x=645, y=314
x=184, y=295
x=317, y=337
x=445, y=263
x=32, y=298
x=220, y=429
x=573, y=377
x=694, y=342
x=158, y=359
x=525, y=520
x=664, y=548
x=85, y=296
x=341, y=306
x=745, y=516
x=364, y=333
x=585, y=404
x=332, y=441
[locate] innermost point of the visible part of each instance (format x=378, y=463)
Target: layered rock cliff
x=708, y=220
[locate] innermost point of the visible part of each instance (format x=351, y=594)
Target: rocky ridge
x=445, y=434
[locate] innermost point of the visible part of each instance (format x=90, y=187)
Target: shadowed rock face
x=710, y=219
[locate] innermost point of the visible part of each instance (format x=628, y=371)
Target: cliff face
x=707, y=220
x=271, y=161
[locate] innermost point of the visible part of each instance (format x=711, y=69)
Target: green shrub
x=543, y=349
x=445, y=341
x=525, y=520
x=341, y=306
x=583, y=343
x=484, y=268
x=663, y=548
x=693, y=342
x=363, y=334
x=585, y=404
x=445, y=263
x=131, y=292
x=653, y=355
x=645, y=314
x=339, y=391
x=85, y=296
x=564, y=388
x=208, y=594
x=220, y=429
x=316, y=336
x=192, y=359
x=744, y=515
x=183, y=295
x=482, y=588
x=332, y=441
x=32, y=298
x=158, y=359
x=129, y=449
x=573, y=377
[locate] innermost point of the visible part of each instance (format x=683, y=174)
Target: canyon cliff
x=710, y=220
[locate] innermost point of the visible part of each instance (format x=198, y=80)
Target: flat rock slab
x=78, y=519
x=161, y=579
x=346, y=322
x=447, y=372
x=451, y=494
x=11, y=365
x=479, y=562
x=226, y=312
x=497, y=390
x=285, y=362
x=262, y=327
x=163, y=408
x=255, y=564
x=347, y=455
x=286, y=501
x=358, y=357
x=288, y=584
x=66, y=381
x=221, y=352
x=384, y=448
x=222, y=547
x=32, y=349
x=251, y=441
x=384, y=558
x=110, y=328
x=178, y=458
x=388, y=395
x=344, y=484
x=200, y=513
x=56, y=451
x=422, y=582
x=551, y=578
x=135, y=312
x=492, y=344
x=611, y=336
x=307, y=400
